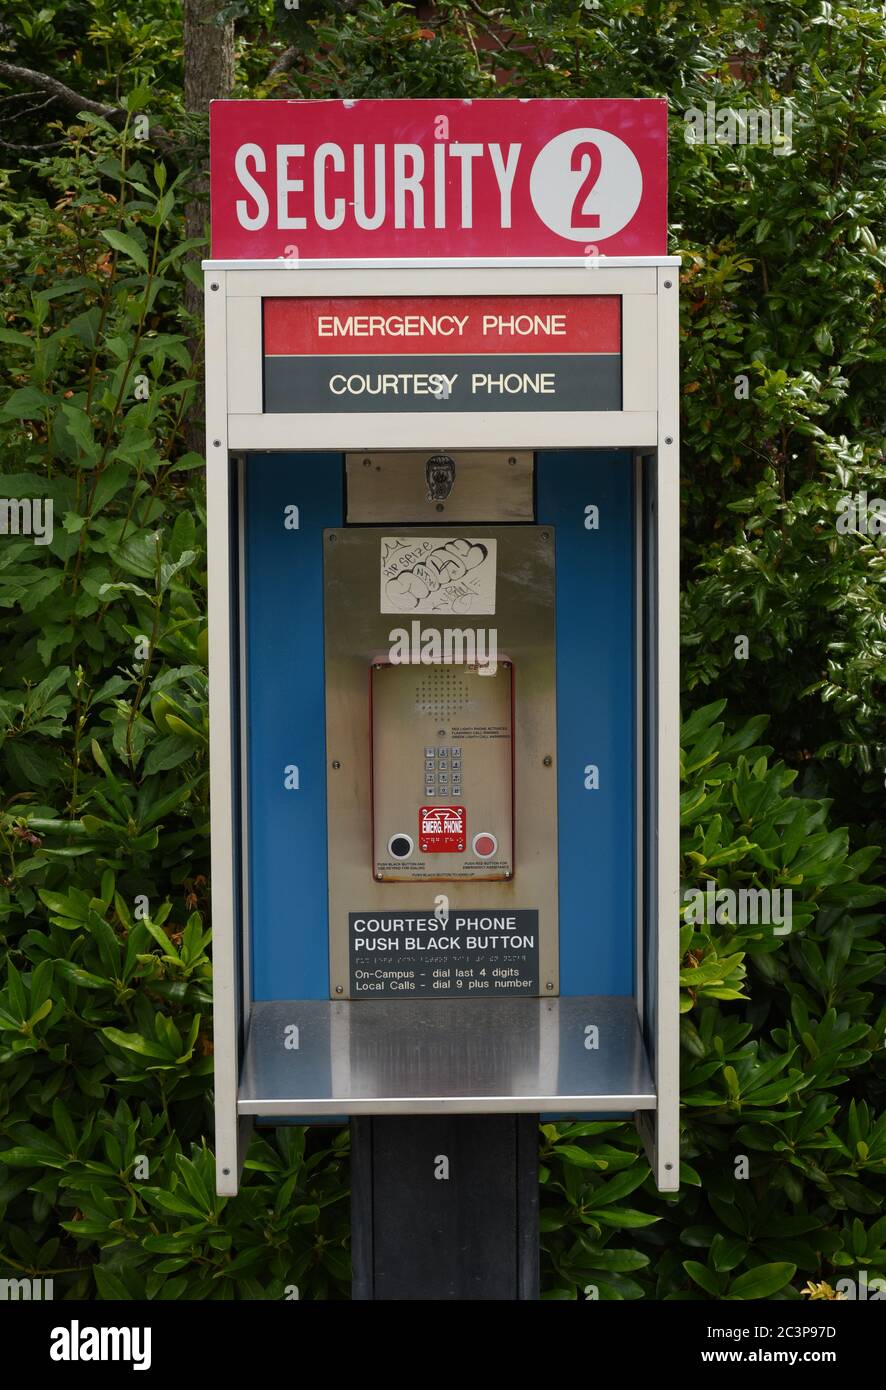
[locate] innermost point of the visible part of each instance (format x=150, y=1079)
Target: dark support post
x=445, y=1207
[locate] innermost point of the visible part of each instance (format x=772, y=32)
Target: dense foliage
x=106, y=1178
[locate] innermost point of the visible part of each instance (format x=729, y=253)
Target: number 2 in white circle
x=586, y=180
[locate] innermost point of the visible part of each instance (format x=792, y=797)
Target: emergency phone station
x=443, y=503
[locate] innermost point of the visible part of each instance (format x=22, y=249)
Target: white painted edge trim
x=667, y=752
x=230, y=1132
x=448, y=262
x=453, y=1105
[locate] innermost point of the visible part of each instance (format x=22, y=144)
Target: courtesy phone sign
x=301, y=180
x=475, y=951
x=442, y=353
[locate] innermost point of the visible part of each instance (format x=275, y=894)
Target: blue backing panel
x=595, y=713
x=287, y=719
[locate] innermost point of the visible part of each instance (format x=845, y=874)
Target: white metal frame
x=648, y=423
x=664, y=1143
x=231, y=1131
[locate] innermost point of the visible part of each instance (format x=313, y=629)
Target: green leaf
x=134, y=1042
x=619, y=1186
x=578, y=1158
x=110, y=1286
x=763, y=1281
x=703, y=1277
x=126, y=245
x=625, y=1217
x=727, y=1252
x=28, y=403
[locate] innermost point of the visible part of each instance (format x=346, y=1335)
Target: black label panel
x=474, y=952
x=531, y=381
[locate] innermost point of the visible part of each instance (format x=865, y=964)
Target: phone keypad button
x=439, y=762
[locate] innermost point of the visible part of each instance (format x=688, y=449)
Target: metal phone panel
x=487, y=485
x=463, y=785
x=521, y=624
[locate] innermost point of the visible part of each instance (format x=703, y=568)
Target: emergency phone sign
x=441, y=829
x=301, y=180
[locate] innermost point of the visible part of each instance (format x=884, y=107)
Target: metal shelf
x=442, y=1056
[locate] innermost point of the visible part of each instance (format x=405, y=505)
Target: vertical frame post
x=666, y=1151
x=230, y=1134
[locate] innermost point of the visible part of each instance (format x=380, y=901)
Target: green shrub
x=784, y=1163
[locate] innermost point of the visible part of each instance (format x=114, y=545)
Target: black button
x=401, y=847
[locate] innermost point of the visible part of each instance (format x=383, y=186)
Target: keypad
x=442, y=772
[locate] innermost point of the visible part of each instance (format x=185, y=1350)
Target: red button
x=485, y=845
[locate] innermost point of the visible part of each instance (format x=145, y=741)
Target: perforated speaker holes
x=441, y=692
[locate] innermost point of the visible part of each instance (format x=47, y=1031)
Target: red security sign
x=298, y=180
x=441, y=829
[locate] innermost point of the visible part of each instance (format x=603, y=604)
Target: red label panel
x=442, y=324
x=497, y=177
x=442, y=829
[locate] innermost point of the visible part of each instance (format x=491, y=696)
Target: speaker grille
x=442, y=692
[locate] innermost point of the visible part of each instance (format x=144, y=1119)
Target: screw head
x=216, y=443
x=669, y=439
x=339, y=989
x=547, y=760
x=215, y=287
x=367, y=463
x=336, y=764
x=512, y=461
x=550, y=984
x=333, y=538
x=668, y=284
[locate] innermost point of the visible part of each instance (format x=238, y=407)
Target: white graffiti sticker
x=437, y=574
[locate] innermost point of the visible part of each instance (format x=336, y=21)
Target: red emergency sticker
x=442, y=829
